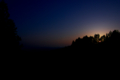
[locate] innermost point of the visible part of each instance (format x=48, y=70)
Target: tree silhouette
x=103, y=38
x=96, y=38
x=9, y=38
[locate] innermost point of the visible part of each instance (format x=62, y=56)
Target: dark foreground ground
x=64, y=61
x=71, y=53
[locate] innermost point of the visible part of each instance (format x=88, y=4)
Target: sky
x=56, y=23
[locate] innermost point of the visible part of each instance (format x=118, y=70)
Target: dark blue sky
x=56, y=23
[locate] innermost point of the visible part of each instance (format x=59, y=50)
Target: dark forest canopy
x=105, y=44
x=110, y=41
x=111, y=36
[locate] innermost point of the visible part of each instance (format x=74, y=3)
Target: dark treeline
x=110, y=42
x=97, y=53
x=105, y=44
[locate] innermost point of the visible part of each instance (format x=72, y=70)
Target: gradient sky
x=56, y=23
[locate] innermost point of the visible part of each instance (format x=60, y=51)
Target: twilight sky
x=56, y=23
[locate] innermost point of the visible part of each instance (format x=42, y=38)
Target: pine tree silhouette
x=9, y=38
